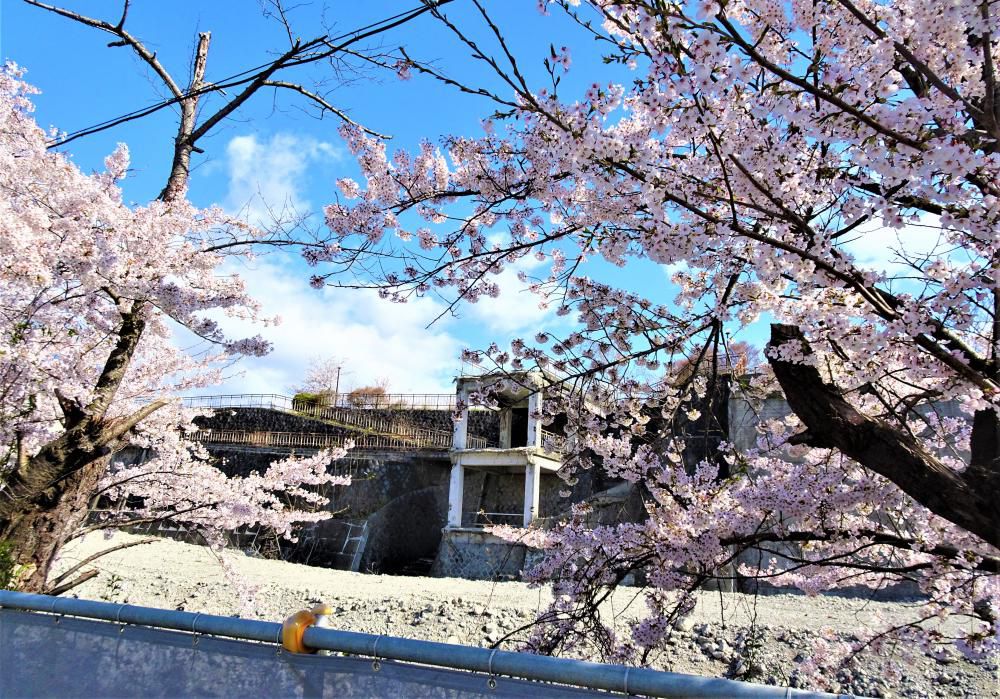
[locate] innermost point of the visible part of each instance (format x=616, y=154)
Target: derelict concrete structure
x=524, y=447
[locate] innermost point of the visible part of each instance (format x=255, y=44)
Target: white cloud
x=880, y=249
x=376, y=339
x=516, y=309
x=266, y=178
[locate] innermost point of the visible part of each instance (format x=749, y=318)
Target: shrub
x=310, y=400
x=368, y=397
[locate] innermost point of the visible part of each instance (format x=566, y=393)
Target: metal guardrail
x=479, y=518
x=388, y=401
x=577, y=673
x=319, y=440
x=240, y=400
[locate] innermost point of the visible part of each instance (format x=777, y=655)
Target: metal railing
x=474, y=442
x=357, y=417
x=320, y=440
x=479, y=518
x=394, y=401
x=274, y=401
x=364, y=417
x=388, y=401
x=553, y=443
x=576, y=673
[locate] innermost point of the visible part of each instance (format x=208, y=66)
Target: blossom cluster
x=87, y=280
x=757, y=146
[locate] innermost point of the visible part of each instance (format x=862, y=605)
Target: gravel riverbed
x=711, y=641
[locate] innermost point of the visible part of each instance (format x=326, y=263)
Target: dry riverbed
x=174, y=575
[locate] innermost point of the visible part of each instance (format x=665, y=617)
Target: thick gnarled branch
x=966, y=499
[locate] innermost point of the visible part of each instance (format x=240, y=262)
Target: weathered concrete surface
x=406, y=530
x=409, y=482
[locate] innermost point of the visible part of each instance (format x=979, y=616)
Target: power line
x=239, y=78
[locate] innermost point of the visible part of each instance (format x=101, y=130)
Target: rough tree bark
x=968, y=499
x=47, y=496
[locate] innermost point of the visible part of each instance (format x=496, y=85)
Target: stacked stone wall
x=482, y=423
x=478, y=556
x=266, y=420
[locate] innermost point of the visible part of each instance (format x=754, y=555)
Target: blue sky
x=276, y=153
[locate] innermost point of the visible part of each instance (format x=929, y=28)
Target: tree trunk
x=968, y=499
x=38, y=531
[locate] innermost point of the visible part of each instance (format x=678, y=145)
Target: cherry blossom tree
x=323, y=377
x=90, y=289
x=750, y=147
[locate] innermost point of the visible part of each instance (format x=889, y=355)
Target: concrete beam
x=534, y=424
x=456, y=491
x=532, y=486
x=511, y=460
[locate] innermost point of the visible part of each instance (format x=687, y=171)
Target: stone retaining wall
x=482, y=423
x=474, y=554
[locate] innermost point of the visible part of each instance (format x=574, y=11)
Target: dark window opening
x=519, y=427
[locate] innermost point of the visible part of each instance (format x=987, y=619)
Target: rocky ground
x=712, y=641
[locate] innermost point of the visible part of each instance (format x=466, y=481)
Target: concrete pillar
x=532, y=484
x=456, y=490
x=506, y=415
x=460, y=431
x=534, y=424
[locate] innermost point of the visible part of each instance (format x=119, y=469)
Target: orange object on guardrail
x=293, y=629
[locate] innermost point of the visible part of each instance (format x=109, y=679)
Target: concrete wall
x=504, y=492
x=400, y=496
x=382, y=479
x=406, y=532
x=744, y=416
